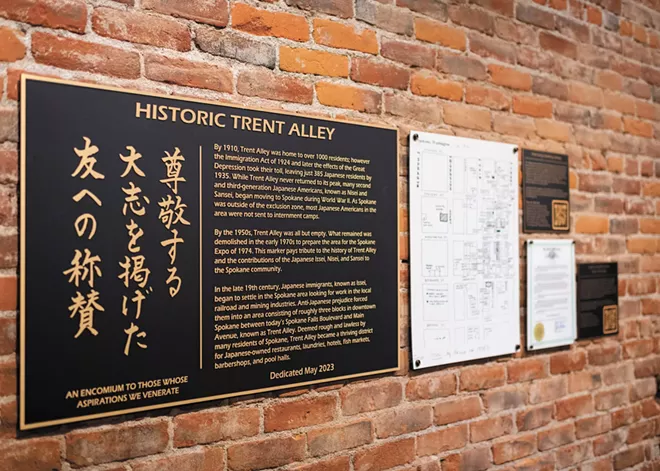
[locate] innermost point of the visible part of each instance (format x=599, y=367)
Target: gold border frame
x=567, y=227
x=22, y=425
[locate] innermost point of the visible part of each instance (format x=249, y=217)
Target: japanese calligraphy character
x=81, y=225
x=134, y=270
x=85, y=308
x=139, y=297
x=86, y=270
x=130, y=162
x=87, y=161
x=134, y=232
x=173, y=241
x=172, y=215
x=174, y=290
x=130, y=331
x=132, y=201
x=173, y=169
x=82, y=193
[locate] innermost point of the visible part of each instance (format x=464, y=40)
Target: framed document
x=551, y=316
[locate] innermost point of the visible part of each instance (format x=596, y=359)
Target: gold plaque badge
x=539, y=332
x=610, y=319
x=559, y=214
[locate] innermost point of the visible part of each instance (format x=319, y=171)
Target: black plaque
x=175, y=251
x=598, y=299
x=546, y=205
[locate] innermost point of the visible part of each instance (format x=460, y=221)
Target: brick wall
x=561, y=75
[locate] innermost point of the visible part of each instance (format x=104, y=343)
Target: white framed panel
x=551, y=307
x=464, y=260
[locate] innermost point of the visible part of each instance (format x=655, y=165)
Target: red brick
x=402, y=421
x=426, y=84
x=594, y=15
x=640, y=431
x=514, y=448
x=503, y=7
x=556, y=436
x=120, y=442
x=604, y=354
x=345, y=96
x=605, y=120
x=558, y=44
x=585, y=94
x=431, y=386
x=299, y=413
x=439, y=33
x=412, y=54
x=547, y=390
x=508, y=397
x=413, y=108
x=621, y=103
x=649, y=226
x=448, y=438
x=529, y=13
x=572, y=454
x=641, y=286
x=650, y=407
x=637, y=127
x=509, y=77
x=488, y=97
x=565, y=362
x=487, y=429
x=213, y=12
x=604, y=464
x=73, y=54
x=8, y=372
x=269, y=23
x=523, y=128
x=574, y=406
x=482, y=377
x=141, y=28
x=385, y=456
x=592, y=225
x=554, y=130
x=387, y=17
x=527, y=369
x=532, y=106
x=268, y=453
x=456, y=410
x=430, y=8
x=647, y=367
x=467, y=117
x=643, y=388
x=534, y=417
x=606, y=443
x=486, y=46
x=461, y=65
x=30, y=455
x=11, y=45
x=340, y=8
x=340, y=437
x=472, y=459
x=337, y=463
x=9, y=290
x=56, y=14
x=381, y=74
x=638, y=348
x=472, y=18
x=370, y=396
x=187, y=73
x=265, y=84
x=208, y=459
x=212, y=426
x=308, y=61
x=628, y=458
x=338, y=35
x=591, y=426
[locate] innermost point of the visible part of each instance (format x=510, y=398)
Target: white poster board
x=464, y=265
x=551, y=308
